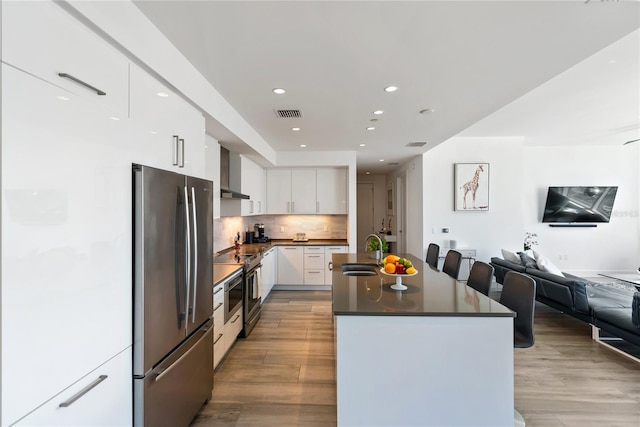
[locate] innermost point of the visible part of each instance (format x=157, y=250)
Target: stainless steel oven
x=233, y=295
x=252, y=297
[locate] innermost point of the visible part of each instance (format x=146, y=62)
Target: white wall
x=586, y=251
x=487, y=231
x=519, y=177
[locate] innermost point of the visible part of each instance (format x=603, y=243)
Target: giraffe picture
x=471, y=189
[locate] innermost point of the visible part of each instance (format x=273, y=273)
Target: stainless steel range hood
x=227, y=190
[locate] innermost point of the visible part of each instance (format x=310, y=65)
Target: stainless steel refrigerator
x=173, y=301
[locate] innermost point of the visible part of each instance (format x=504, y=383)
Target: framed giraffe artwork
x=471, y=187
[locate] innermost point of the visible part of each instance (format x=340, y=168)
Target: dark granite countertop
x=252, y=248
x=429, y=293
x=222, y=271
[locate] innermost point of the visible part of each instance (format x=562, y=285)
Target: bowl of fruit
x=398, y=267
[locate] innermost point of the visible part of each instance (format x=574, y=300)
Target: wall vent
x=288, y=114
x=416, y=144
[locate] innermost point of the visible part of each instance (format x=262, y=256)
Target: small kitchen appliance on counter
x=301, y=237
x=259, y=236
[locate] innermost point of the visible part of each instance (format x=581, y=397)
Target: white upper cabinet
x=169, y=133
x=44, y=40
x=307, y=191
x=252, y=184
x=331, y=190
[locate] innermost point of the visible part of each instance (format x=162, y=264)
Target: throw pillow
x=545, y=265
x=511, y=257
x=527, y=261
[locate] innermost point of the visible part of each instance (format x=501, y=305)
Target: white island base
x=424, y=370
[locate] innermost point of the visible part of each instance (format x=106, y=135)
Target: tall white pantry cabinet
x=66, y=205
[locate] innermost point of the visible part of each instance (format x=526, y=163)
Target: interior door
x=200, y=193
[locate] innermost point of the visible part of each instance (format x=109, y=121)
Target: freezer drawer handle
x=77, y=80
x=82, y=392
x=217, y=339
x=163, y=372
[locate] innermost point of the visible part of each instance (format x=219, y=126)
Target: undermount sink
x=359, y=269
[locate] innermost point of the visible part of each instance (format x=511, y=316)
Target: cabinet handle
x=218, y=306
x=313, y=272
x=317, y=207
x=217, y=339
x=87, y=85
x=259, y=206
x=235, y=319
x=314, y=256
x=293, y=207
x=288, y=207
x=181, y=165
x=164, y=372
x=82, y=392
x=175, y=150
x=330, y=265
x=219, y=290
x=291, y=249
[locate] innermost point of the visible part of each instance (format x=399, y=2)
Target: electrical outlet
x=282, y=229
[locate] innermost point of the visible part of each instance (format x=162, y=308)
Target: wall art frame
x=471, y=187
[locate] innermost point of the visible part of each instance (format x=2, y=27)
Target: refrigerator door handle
x=163, y=372
x=187, y=260
x=195, y=255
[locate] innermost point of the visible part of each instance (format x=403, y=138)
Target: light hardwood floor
x=284, y=373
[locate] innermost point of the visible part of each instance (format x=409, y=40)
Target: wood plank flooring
x=284, y=373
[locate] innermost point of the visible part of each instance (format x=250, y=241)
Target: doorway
x=365, y=213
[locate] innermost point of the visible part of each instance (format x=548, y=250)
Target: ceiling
x=465, y=61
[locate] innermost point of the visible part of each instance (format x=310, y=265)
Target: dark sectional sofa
x=615, y=310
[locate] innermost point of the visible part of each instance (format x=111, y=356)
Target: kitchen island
x=436, y=354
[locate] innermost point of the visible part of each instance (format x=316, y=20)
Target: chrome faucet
x=379, y=253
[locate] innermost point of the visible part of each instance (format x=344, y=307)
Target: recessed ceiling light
x=153, y=132
x=363, y=145
x=163, y=94
x=368, y=173
x=114, y=118
x=303, y=145
x=295, y=129
x=62, y=98
x=427, y=111
x=612, y=61
x=371, y=128
x=279, y=91
x=378, y=112
x=391, y=88
x=381, y=160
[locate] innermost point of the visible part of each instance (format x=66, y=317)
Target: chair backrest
x=480, y=277
x=432, y=255
x=452, y=263
x=519, y=294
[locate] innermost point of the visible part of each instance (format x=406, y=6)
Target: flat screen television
x=579, y=204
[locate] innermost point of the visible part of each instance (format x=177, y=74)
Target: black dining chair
x=519, y=295
x=480, y=277
x=433, y=251
x=452, y=263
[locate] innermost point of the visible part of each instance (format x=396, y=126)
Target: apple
x=400, y=269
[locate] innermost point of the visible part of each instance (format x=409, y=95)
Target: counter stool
x=433, y=251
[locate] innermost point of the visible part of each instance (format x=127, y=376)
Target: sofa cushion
x=570, y=292
x=620, y=317
x=545, y=264
x=510, y=256
x=527, y=260
x=635, y=310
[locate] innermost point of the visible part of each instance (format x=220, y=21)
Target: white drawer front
x=314, y=277
x=313, y=261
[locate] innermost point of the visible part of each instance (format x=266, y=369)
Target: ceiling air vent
x=393, y=164
x=289, y=114
x=416, y=144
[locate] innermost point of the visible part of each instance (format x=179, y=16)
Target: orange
x=390, y=268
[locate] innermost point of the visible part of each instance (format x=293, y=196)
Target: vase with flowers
x=530, y=239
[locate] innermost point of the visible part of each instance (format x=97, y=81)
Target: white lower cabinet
x=328, y=253
x=103, y=397
x=218, y=324
x=232, y=329
x=314, y=265
x=268, y=273
x=290, y=265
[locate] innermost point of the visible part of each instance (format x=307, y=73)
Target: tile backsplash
x=279, y=227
